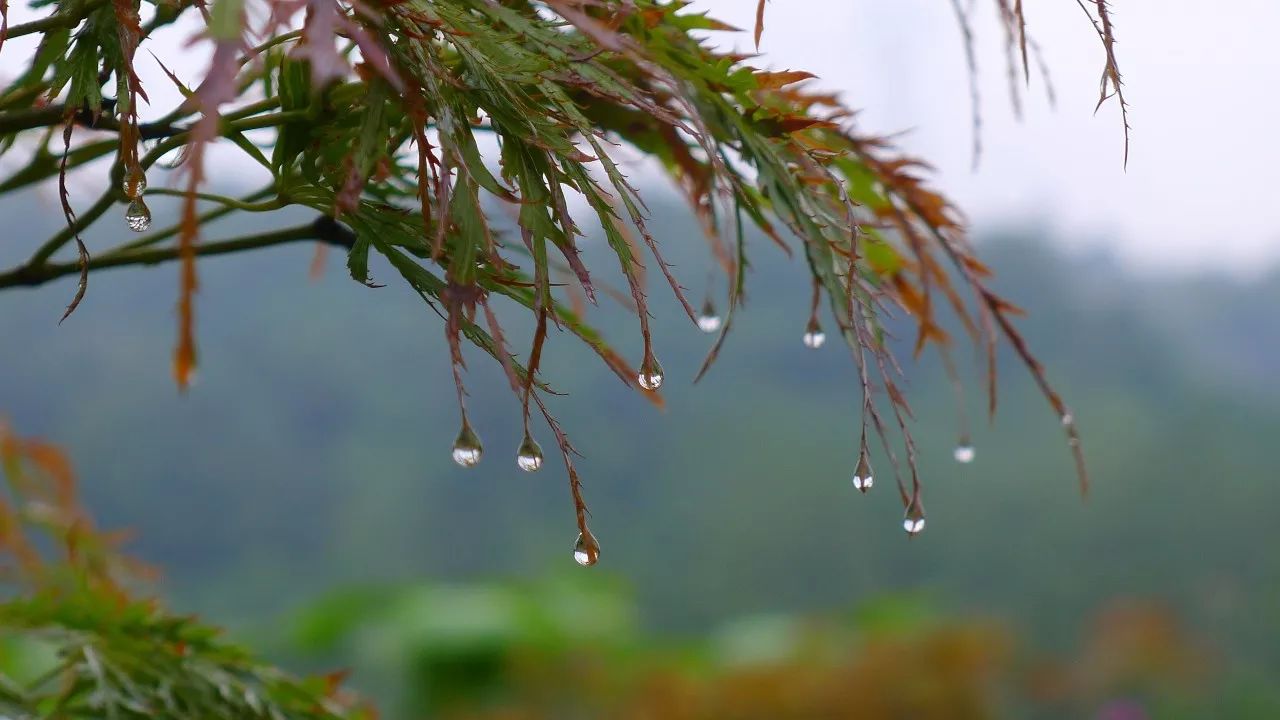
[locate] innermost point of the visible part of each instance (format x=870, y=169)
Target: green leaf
x=226, y=20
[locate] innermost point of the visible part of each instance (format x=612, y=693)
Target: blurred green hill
x=313, y=452
x=567, y=646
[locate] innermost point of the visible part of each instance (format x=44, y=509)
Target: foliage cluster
x=77, y=642
x=386, y=118
x=564, y=648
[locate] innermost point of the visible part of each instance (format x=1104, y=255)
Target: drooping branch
x=323, y=229
x=15, y=121
x=57, y=20
x=560, y=84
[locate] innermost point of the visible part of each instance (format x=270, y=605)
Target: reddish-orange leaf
x=759, y=23
x=318, y=261
x=775, y=80
x=714, y=24
x=796, y=124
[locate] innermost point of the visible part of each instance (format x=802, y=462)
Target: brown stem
x=323, y=229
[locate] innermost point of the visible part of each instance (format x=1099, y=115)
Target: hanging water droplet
x=650, y=377
x=135, y=183
x=171, y=160
x=584, y=553
x=813, y=336
x=138, y=216
x=964, y=452
x=708, y=320
x=913, y=525
x=529, y=455
x=862, y=476
x=467, y=448
x=913, y=518
x=1068, y=419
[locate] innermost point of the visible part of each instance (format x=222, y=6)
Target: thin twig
x=324, y=229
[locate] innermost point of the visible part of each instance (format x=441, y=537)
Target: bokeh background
x=302, y=493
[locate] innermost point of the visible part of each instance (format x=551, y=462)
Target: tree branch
x=113, y=191
x=31, y=118
x=232, y=203
x=204, y=219
x=45, y=164
x=323, y=229
x=165, y=14
x=56, y=20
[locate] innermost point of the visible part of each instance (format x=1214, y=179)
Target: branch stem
x=56, y=20
x=228, y=202
x=203, y=220
x=323, y=229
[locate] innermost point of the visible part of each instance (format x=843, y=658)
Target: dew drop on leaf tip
x=583, y=555
x=134, y=184
x=863, y=479
x=814, y=338
x=529, y=455
x=467, y=449
x=138, y=216
x=650, y=377
x=708, y=319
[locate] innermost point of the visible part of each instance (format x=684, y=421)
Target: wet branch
x=323, y=229
x=54, y=21
x=31, y=118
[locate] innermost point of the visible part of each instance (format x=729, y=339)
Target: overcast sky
x=1203, y=183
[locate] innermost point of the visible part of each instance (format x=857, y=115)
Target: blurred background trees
x=322, y=530
x=301, y=496
x=470, y=144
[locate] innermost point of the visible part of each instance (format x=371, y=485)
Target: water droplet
x=913, y=518
x=529, y=455
x=1068, y=419
x=708, y=320
x=814, y=337
x=467, y=448
x=171, y=160
x=584, y=553
x=650, y=377
x=964, y=453
x=135, y=183
x=863, y=479
x=138, y=216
